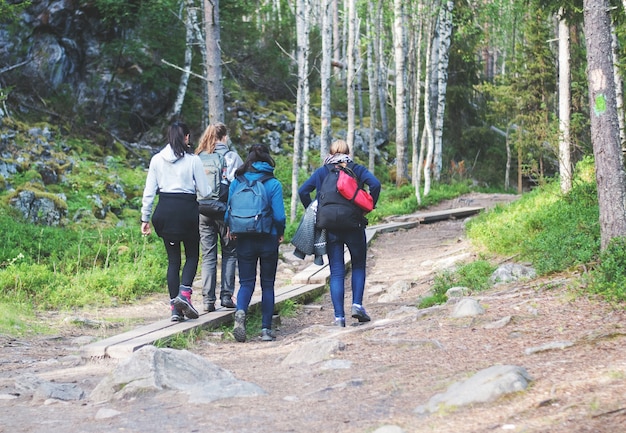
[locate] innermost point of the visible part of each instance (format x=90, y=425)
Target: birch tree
x=443, y=49
x=372, y=79
x=427, y=144
x=565, y=164
x=302, y=48
x=401, y=105
x=186, y=69
x=610, y=176
x=416, y=172
x=325, y=73
x=351, y=73
x=215, y=91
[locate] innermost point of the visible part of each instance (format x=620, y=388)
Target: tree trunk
x=401, y=106
x=184, y=78
x=565, y=164
x=298, y=139
x=415, y=172
x=379, y=49
x=325, y=73
x=427, y=138
x=445, y=34
x=372, y=80
x=619, y=86
x=215, y=91
x=351, y=73
x=610, y=174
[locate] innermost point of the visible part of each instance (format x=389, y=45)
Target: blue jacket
x=315, y=183
x=274, y=190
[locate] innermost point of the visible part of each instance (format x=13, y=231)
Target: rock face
x=62, y=48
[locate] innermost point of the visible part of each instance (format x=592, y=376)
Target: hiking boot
x=358, y=312
x=340, y=321
x=267, y=335
x=183, y=302
x=177, y=316
x=210, y=307
x=239, y=331
x=227, y=302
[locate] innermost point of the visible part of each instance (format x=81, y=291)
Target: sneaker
x=210, y=307
x=239, y=331
x=183, y=303
x=227, y=302
x=267, y=335
x=340, y=321
x=177, y=316
x=358, y=312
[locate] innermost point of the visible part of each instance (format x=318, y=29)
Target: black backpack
x=334, y=212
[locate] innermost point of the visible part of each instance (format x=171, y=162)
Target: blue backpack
x=249, y=209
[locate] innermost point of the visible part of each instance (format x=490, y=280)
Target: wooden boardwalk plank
x=306, y=285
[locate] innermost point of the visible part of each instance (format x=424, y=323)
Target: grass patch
x=474, y=276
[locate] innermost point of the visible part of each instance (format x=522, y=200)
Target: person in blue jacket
x=353, y=238
x=258, y=248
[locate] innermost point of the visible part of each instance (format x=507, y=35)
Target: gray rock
x=485, y=386
x=467, y=307
x=556, y=345
x=152, y=370
x=316, y=351
x=44, y=390
x=512, y=272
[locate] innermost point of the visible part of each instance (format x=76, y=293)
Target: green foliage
x=474, y=276
x=16, y=320
x=608, y=278
x=552, y=231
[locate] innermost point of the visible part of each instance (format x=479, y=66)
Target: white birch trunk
x=325, y=73
x=427, y=138
x=416, y=172
x=379, y=49
x=372, y=82
x=302, y=42
x=619, y=85
x=445, y=34
x=184, y=78
x=215, y=91
x=306, y=94
x=401, y=112
x=351, y=73
x=565, y=164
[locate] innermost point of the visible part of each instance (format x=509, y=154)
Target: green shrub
x=608, y=278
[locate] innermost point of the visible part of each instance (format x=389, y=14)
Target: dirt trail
x=394, y=365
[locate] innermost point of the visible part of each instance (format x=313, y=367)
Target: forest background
x=437, y=98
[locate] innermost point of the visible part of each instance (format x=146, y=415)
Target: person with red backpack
x=220, y=163
x=345, y=225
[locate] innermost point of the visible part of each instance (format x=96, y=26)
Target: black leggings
x=192, y=255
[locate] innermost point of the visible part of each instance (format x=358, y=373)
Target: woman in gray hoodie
x=177, y=176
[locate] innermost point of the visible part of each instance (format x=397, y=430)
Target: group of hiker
x=210, y=193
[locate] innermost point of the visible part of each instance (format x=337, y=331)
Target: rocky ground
x=387, y=368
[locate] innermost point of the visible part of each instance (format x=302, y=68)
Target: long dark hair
x=257, y=152
x=176, y=138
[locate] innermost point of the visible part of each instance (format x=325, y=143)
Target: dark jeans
x=253, y=250
x=210, y=229
x=357, y=245
x=174, y=260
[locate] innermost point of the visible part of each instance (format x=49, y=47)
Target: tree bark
x=416, y=172
x=565, y=164
x=351, y=73
x=184, y=78
x=215, y=91
x=610, y=178
x=445, y=34
x=401, y=105
x=325, y=73
x=372, y=82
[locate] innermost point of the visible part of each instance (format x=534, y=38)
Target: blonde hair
x=211, y=135
x=339, y=146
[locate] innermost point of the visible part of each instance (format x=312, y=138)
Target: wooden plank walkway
x=304, y=286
